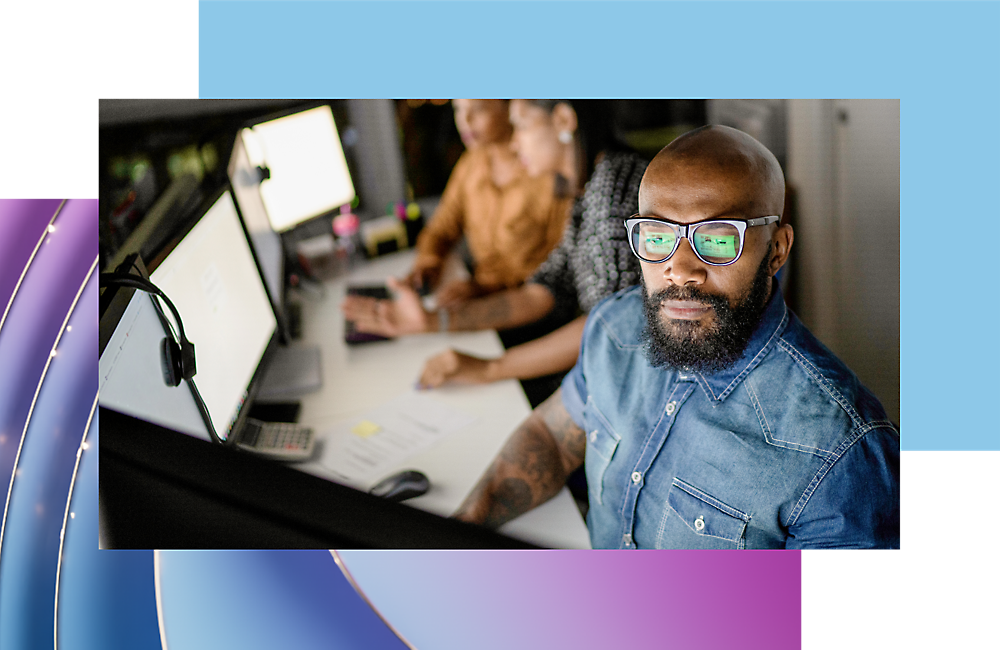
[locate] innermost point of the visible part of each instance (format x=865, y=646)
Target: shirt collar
x=772, y=323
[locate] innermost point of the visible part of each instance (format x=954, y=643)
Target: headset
x=178, y=360
x=177, y=356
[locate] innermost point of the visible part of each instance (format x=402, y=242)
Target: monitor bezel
x=273, y=343
x=277, y=302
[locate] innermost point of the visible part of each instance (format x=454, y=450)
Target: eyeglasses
x=718, y=242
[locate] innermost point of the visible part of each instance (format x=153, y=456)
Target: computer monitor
x=296, y=370
x=162, y=489
x=308, y=171
x=245, y=179
x=211, y=278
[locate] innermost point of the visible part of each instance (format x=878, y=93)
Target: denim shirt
x=785, y=449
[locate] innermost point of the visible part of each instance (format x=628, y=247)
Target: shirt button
x=670, y=408
x=699, y=523
x=593, y=435
x=627, y=538
x=636, y=477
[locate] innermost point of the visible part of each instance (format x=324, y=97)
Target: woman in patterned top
x=592, y=261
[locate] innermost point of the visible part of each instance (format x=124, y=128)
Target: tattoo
x=531, y=468
x=491, y=312
x=511, y=498
x=535, y=455
x=571, y=439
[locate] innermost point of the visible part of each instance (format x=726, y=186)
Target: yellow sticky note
x=365, y=428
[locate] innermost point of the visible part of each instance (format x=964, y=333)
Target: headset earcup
x=170, y=362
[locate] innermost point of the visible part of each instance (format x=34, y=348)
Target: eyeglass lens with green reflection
x=718, y=242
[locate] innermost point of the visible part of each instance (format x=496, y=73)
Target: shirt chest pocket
x=714, y=524
x=602, y=440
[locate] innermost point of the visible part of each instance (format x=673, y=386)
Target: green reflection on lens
x=716, y=245
x=659, y=243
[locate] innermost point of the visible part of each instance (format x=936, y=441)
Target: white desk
x=359, y=378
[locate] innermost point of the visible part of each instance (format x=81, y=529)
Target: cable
x=203, y=409
x=178, y=355
x=129, y=280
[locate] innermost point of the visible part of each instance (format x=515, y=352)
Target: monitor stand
x=292, y=372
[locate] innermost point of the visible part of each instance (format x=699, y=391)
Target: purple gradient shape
x=265, y=599
x=41, y=486
x=22, y=222
x=585, y=599
x=36, y=317
x=107, y=599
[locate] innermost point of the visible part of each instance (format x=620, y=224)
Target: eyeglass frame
x=684, y=229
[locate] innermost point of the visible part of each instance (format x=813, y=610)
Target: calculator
x=276, y=440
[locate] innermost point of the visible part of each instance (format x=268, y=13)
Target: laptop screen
x=212, y=280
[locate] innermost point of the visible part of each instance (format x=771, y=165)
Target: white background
x=58, y=58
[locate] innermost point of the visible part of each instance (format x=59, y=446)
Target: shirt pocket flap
x=601, y=436
x=602, y=440
x=704, y=514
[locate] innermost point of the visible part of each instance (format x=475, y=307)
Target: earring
x=565, y=137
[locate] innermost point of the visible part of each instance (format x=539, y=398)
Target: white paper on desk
x=407, y=425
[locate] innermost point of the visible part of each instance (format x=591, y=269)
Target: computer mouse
x=401, y=486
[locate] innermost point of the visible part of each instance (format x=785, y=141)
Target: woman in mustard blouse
x=511, y=221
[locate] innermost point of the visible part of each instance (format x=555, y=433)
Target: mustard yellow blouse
x=510, y=230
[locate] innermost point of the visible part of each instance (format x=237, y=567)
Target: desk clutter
x=360, y=451
x=330, y=254
x=257, y=273
x=397, y=230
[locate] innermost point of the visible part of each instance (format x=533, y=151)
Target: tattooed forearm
x=511, y=498
x=509, y=308
x=535, y=456
x=490, y=312
x=531, y=468
x=570, y=439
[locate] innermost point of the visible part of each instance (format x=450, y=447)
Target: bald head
x=704, y=163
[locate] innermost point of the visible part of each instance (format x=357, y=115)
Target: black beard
x=689, y=345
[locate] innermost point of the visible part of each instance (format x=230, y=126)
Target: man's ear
x=781, y=245
x=564, y=118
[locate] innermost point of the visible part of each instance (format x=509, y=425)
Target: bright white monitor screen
x=131, y=380
x=267, y=244
x=309, y=175
x=212, y=280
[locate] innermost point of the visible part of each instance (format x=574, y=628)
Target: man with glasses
x=703, y=411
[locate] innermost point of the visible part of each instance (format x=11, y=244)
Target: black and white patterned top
x=594, y=260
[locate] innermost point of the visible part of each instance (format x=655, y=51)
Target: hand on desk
x=554, y=352
x=404, y=314
x=454, y=367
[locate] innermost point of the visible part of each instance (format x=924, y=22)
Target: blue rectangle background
x=939, y=58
